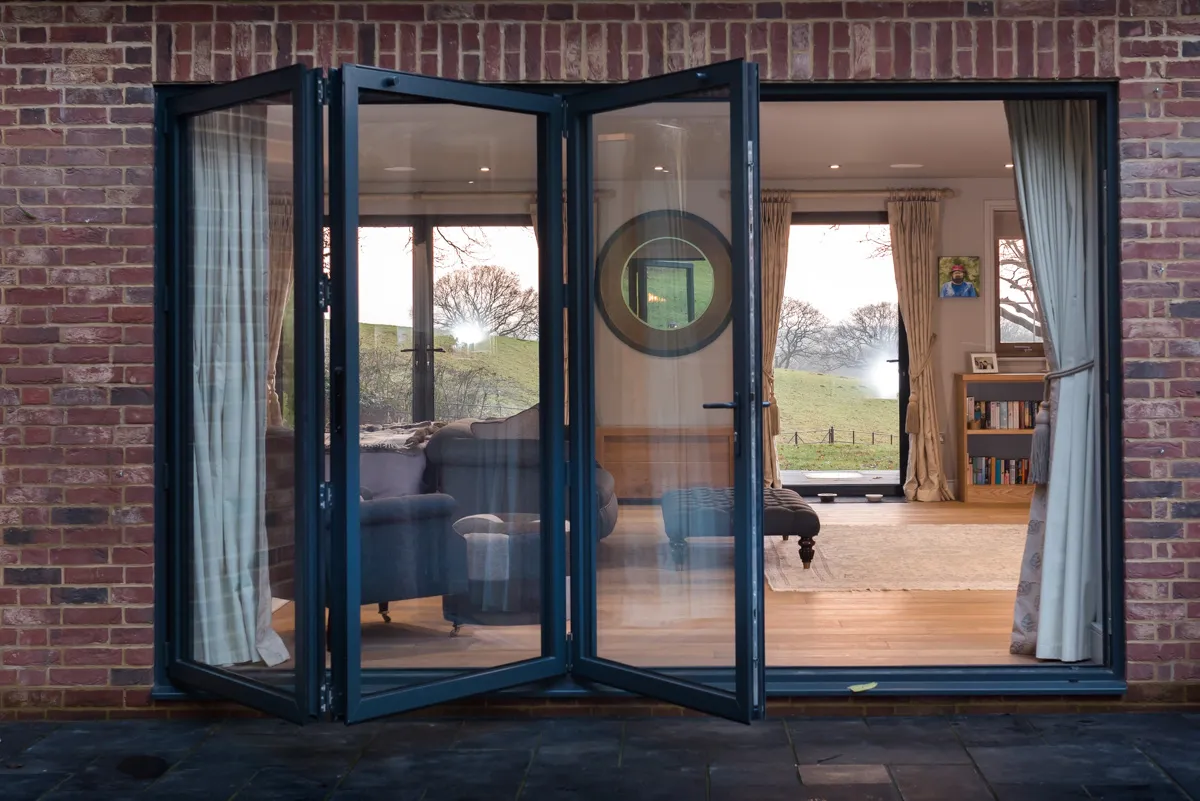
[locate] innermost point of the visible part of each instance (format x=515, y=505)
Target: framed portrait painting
x=958, y=277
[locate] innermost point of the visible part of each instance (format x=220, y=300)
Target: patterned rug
x=900, y=557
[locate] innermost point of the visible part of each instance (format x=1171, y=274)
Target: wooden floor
x=652, y=615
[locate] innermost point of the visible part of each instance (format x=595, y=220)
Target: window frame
x=1006, y=350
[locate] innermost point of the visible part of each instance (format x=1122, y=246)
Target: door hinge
x=323, y=91
x=324, y=293
x=326, y=699
x=570, y=650
x=325, y=500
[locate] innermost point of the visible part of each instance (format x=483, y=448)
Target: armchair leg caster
x=455, y=629
x=383, y=612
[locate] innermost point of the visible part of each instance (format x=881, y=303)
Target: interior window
x=1018, y=322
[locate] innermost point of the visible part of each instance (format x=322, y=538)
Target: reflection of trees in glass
x=1019, y=318
x=487, y=299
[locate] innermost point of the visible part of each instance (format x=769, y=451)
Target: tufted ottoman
x=706, y=512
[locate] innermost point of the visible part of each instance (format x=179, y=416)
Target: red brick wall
x=75, y=256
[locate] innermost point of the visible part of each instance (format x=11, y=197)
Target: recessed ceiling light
x=907, y=166
x=659, y=169
x=835, y=166
x=1008, y=166
x=399, y=169
x=485, y=169
x=470, y=182
x=613, y=137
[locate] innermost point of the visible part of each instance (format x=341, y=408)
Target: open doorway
x=838, y=361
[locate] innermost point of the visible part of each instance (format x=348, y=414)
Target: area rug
x=900, y=557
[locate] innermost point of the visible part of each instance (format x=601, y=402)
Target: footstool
x=707, y=512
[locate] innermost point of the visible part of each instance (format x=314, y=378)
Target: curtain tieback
x=1039, y=453
x=912, y=415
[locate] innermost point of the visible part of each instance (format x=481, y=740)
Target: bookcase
x=995, y=414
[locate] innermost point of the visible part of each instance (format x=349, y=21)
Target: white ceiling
x=445, y=146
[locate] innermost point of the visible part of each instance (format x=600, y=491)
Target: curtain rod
x=865, y=193
x=497, y=195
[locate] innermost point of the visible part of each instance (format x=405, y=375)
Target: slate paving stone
x=940, y=783
x=1157, y=792
x=1179, y=761
x=1051, y=758
x=857, y=742
x=29, y=787
x=1099, y=762
x=979, y=730
x=849, y=792
x=1040, y=792
x=705, y=735
x=16, y=737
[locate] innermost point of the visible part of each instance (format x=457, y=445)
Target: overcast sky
x=831, y=268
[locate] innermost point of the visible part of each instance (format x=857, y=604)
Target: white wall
x=633, y=388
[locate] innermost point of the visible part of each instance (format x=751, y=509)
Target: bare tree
x=871, y=328
x=800, y=327
x=489, y=297
x=1019, y=317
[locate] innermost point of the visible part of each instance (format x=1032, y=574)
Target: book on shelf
x=990, y=471
x=1001, y=415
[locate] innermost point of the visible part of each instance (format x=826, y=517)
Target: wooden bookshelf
x=995, y=443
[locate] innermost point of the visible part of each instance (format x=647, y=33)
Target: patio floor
x=1000, y=758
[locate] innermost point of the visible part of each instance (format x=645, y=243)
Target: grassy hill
x=811, y=403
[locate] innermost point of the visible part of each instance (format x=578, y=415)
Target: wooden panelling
x=646, y=462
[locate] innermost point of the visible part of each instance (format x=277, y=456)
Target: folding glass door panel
x=241, y=333
x=448, y=533
x=666, y=512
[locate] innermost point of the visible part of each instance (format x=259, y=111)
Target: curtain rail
x=862, y=193
x=499, y=195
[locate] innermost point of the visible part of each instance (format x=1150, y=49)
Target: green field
x=810, y=403
x=500, y=378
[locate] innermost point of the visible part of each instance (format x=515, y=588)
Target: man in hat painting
x=958, y=286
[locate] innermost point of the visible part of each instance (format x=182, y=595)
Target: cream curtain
x=230, y=592
x=915, y=219
x=1054, y=151
x=282, y=219
x=776, y=228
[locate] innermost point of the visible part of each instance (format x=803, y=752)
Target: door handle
x=893, y=361
x=721, y=405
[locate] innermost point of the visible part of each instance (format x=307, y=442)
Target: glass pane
x=485, y=316
x=837, y=376
x=450, y=494
x=243, y=417
x=664, y=347
x=1020, y=322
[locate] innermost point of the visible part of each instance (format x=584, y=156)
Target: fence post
x=852, y=432
x=831, y=435
x=796, y=438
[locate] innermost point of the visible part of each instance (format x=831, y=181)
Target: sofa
x=500, y=474
x=409, y=546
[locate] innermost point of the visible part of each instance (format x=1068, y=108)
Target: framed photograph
x=958, y=277
x=984, y=363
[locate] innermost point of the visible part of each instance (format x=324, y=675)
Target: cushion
x=523, y=425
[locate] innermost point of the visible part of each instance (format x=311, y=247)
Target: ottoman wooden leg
x=679, y=553
x=807, y=551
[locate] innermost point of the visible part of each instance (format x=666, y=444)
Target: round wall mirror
x=664, y=283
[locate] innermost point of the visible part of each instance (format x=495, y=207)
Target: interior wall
x=636, y=389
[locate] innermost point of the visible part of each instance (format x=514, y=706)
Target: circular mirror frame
x=610, y=270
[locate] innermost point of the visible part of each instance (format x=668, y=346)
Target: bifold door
x=238, y=354
x=447, y=576
x=665, y=373
x=485, y=551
